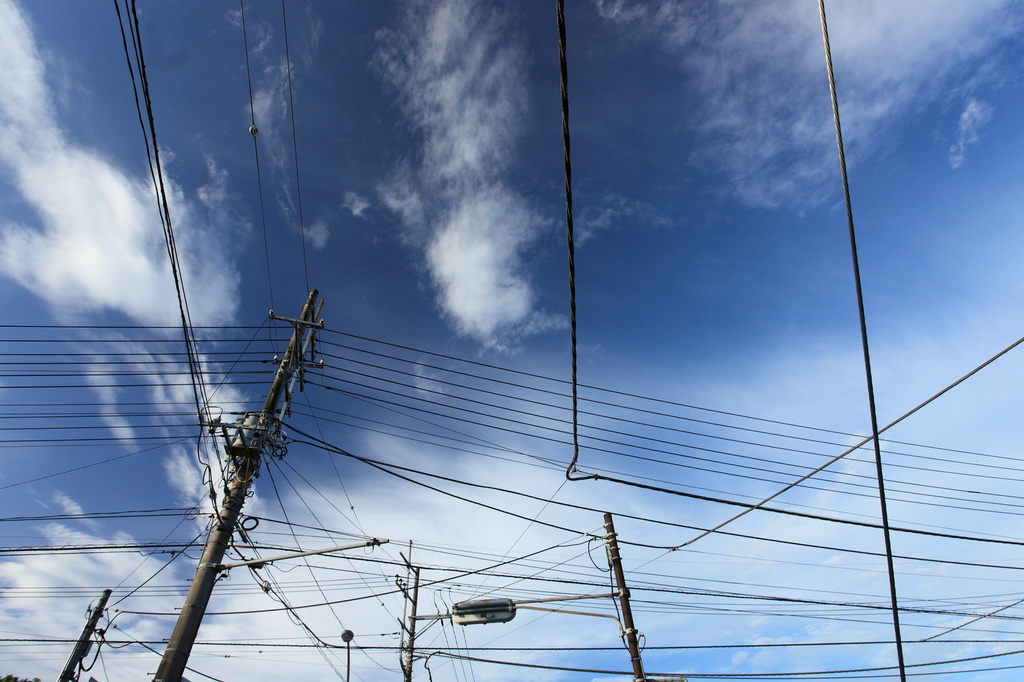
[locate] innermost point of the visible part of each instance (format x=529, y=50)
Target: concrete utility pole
x=632, y=642
x=409, y=649
x=244, y=455
x=81, y=650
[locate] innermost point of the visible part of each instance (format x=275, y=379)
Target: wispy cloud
x=459, y=76
x=617, y=212
x=975, y=115
x=97, y=243
x=271, y=107
x=758, y=72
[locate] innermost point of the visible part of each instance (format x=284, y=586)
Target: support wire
x=564, y=88
x=864, y=343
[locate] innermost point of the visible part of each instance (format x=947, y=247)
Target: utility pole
x=244, y=455
x=627, y=614
x=81, y=650
x=409, y=650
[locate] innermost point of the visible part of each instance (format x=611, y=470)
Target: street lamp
x=346, y=637
x=483, y=611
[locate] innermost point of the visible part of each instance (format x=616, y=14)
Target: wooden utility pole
x=632, y=643
x=244, y=455
x=81, y=649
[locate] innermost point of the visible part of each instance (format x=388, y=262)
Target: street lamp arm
x=575, y=613
x=259, y=563
x=517, y=602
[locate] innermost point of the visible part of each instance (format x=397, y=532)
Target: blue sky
x=717, y=327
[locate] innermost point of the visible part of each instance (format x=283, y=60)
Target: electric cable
x=604, y=476
x=987, y=465
x=935, y=396
x=298, y=544
x=295, y=144
x=687, y=447
x=254, y=131
x=108, y=460
x=384, y=466
x=156, y=169
x=156, y=173
x=670, y=403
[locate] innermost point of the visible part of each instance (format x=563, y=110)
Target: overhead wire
x=156, y=171
x=945, y=486
x=295, y=144
x=841, y=549
x=457, y=573
x=518, y=424
x=158, y=653
x=661, y=401
x=982, y=467
x=388, y=467
x=762, y=478
x=648, y=424
x=678, y=647
x=316, y=421
x=689, y=592
x=575, y=410
x=298, y=544
x=254, y=132
x=82, y=467
x=331, y=535
x=788, y=675
x=863, y=442
x=160, y=570
x=272, y=588
x=769, y=539
x=148, y=126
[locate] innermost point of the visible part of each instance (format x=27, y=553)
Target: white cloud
x=759, y=74
x=99, y=243
x=975, y=115
x=621, y=10
x=460, y=81
x=356, y=203
x=48, y=613
x=68, y=505
x=318, y=234
x=474, y=261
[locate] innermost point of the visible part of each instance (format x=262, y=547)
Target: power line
x=254, y=131
x=387, y=467
x=295, y=143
